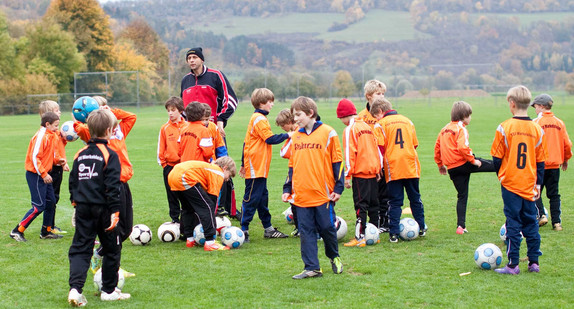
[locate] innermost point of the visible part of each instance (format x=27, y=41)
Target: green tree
x=53, y=52
x=147, y=42
x=10, y=66
x=91, y=28
x=344, y=84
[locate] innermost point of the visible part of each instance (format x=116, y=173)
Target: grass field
x=421, y=273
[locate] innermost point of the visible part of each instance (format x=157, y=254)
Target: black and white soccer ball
x=168, y=232
x=141, y=235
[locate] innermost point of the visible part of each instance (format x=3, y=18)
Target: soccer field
x=422, y=273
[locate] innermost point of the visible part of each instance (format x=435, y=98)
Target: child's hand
x=47, y=178
x=334, y=196
x=442, y=170
x=285, y=197
x=565, y=166
x=242, y=172
x=220, y=127
x=537, y=196
x=66, y=167
x=477, y=163
x=114, y=219
x=290, y=133
x=348, y=183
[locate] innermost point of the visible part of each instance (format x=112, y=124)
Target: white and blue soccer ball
x=233, y=237
x=141, y=235
x=98, y=280
x=168, y=232
x=341, y=227
x=408, y=229
x=371, y=234
x=503, y=232
x=68, y=132
x=288, y=213
x=198, y=235
x=83, y=106
x=488, y=256
x=221, y=223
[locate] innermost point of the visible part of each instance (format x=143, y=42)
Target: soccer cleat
x=50, y=235
x=295, y=232
x=534, y=268
x=274, y=234
x=423, y=233
x=215, y=247
x=115, y=295
x=126, y=273
x=337, y=265
x=75, y=299
x=95, y=262
x=506, y=270
x=310, y=274
x=237, y=216
x=221, y=212
x=17, y=236
x=543, y=220
x=383, y=229
x=190, y=243
x=394, y=238
x=356, y=243
x=557, y=226
x=461, y=230
x=246, y=233
x=57, y=230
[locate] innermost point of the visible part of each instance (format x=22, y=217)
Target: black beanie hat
x=196, y=51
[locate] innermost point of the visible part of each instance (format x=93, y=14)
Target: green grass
x=421, y=273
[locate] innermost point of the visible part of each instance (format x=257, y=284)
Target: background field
x=421, y=273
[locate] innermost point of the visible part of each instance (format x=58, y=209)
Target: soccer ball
x=502, y=234
x=83, y=106
x=98, y=280
x=371, y=234
x=168, y=232
x=341, y=227
x=141, y=235
x=488, y=256
x=233, y=237
x=409, y=229
x=288, y=213
x=67, y=131
x=198, y=235
x=221, y=223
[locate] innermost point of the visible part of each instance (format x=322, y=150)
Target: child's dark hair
x=306, y=105
x=207, y=110
x=284, y=117
x=194, y=111
x=174, y=102
x=49, y=117
x=460, y=110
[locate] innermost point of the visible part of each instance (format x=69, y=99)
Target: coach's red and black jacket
x=213, y=88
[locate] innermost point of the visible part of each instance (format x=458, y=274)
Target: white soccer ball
x=233, y=237
x=502, y=234
x=141, y=235
x=67, y=131
x=371, y=234
x=98, y=280
x=341, y=227
x=408, y=229
x=198, y=235
x=488, y=256
x=288, y=213
x=168, y=232
x=221, y=223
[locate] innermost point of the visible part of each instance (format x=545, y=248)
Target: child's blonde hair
x=176, y=102
x=99, y=121
x=260, y=96
x=306, y=105
x=227, y=163
x=380, y=105
x=101, y=100
x=520, y=95
x=48, y=106
x=49, y=117
x=460, y=110
x=284, y=118
x=194, y=111
x=373, y=86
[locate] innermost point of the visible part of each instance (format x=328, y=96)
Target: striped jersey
x=451, y=148
x=520, y=145
x=187, y=174
x=42, y=154
x=558, y=142
x=362, y=156
x=167, y=142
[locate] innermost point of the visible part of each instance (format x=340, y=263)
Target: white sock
x=209, y=242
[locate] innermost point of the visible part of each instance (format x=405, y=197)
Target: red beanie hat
x=346, y=108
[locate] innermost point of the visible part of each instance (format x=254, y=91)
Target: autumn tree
x=91, y=28
x=146, y=42
x=344, y=84
x=10, y=67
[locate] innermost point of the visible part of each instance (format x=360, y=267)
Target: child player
x=57, y=169
x=559, y=152
x=375, y=90
x=315, y=181
x=195, y=142
x=401, y=165
x=117, y=143
x=453, y=154
x=40, y=158
x=168, y=149
x=95, y=192
x=255, y=163
x=197, y=185
x=518, y=154
x=363, y=163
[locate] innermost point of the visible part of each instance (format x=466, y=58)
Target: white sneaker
x=115, y=295
x=76, y=299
